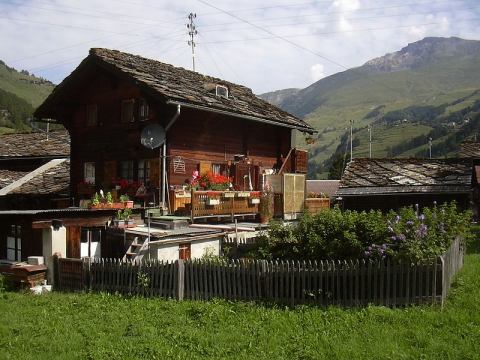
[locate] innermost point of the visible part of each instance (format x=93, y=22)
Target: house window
x=90, y=243
x=144, y=172
x=89, y=172
x=221, y=90
x=126, y=170
x=14, y=243
x=142, y=110
x=184, y=251
x=127, y=111
x=91, y=115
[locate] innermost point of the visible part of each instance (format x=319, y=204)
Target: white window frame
x=89, y=172
x=14, y=243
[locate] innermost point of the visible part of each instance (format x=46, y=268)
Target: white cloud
x=316, y=72
x=266, y=46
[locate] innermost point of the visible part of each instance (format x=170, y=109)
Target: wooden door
x=184, y=251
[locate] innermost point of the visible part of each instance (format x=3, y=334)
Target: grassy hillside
x=30, y=88
x=438, y=78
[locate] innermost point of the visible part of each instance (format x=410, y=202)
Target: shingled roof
x=178, y=86
x=51, y=178
x=387, y=176
x=34, y=144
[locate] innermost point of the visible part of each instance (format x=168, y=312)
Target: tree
x=339, y=164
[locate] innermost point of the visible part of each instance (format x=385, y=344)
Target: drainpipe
x=164, y=158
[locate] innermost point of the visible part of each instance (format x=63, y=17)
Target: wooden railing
x=231, y=205
x=290, y=283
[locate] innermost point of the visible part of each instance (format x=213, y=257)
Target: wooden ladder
x=136, y=250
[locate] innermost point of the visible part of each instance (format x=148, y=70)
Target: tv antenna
x=193, y=31
x=152, y=136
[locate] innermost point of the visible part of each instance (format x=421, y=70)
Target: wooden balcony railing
x=231, y=204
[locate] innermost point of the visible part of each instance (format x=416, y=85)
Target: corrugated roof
x=385, y=176
x=179, y=86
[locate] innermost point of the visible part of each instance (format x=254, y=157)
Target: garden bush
x=408, y=235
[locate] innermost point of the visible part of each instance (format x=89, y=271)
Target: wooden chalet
x=390, y=184
x=198, y=123
x=138, y=121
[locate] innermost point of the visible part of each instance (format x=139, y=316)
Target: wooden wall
x=197, y=137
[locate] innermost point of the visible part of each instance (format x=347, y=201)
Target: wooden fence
x=290, y=283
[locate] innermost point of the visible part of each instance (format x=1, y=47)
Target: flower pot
x=243, y=194
x=229, y=194
x=86, y=191
x=128, y=204
x=213, y=201
x=117, y=222
x=254, y=201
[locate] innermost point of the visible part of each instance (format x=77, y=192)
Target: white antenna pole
x=192, y=32
x=351, y=140
x=370, y=131
x=430, y=142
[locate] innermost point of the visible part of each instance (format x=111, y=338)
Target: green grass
x=100, y=326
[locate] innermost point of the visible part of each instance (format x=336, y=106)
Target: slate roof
x=388, y=176
x=470, y=149
x=51, y=178
x=180, y=86
x=34, y=144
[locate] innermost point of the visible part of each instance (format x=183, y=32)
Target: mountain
x=385, y=92
x=20, y=93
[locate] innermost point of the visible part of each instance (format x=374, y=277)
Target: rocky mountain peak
x=423, y=52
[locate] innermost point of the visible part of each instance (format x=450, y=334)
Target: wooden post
x=86, y=273
x=179, y=285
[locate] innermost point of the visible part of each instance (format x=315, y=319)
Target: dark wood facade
x=103, y=105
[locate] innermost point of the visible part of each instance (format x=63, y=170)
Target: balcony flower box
x=243, y=194
x=213, y=201
x=254, y=200
x=229, y=194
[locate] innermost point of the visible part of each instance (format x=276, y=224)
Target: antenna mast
x=192, y=32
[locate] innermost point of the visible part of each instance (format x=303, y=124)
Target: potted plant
x=85, y=187
x=213, y=198
x=266, y=207
x=123, y=216
x=125, y=200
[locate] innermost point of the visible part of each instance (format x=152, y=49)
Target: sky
x=265, y=45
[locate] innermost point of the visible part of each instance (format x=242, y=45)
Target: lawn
x=100, y=326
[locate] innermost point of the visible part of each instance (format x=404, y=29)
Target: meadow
x=101, y=326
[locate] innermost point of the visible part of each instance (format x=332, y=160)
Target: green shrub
x=408, y=235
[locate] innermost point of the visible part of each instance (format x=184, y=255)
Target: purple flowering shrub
x=415, y=234
x=408, y=235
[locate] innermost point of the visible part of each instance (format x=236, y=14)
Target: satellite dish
x=152, y=136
